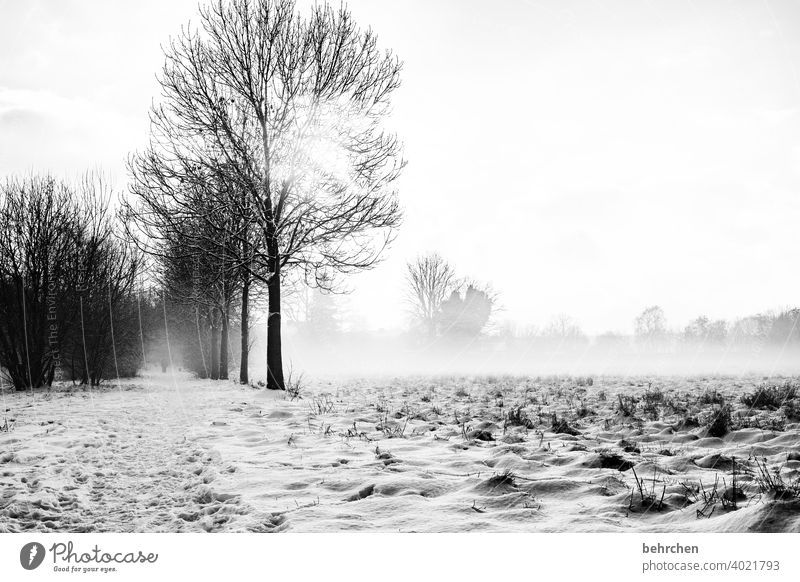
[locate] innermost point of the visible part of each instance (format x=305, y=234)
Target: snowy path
x=119, y=459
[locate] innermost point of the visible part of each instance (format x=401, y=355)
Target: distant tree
x=751, y=330
x=650, y=325
x=203, y=291
x=778, y=328
x=697, y=330
x=785, y=327
x=199, y=228
x=529, y=332
x=718, y=331
x=510, y=331
x=563, y=327
x=150, y=329
x=430, y=279
x=466, y=315
x=321, y=319
x=105, y=340
x=703, y=330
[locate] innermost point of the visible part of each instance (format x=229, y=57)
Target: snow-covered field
x=170, y=453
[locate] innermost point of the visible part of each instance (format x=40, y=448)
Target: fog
x=402, y=353
x=632, y=152
x=611, y=156
x=324, y=337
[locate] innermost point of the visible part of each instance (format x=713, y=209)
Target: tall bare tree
x=288, y=110
x=203, y=289
x=431, y=280
x=184, y=218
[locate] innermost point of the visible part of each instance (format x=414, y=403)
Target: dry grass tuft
x=561, y=426
x=770, y=397
x=516, y=416
x=718, y=423
x=773, y=484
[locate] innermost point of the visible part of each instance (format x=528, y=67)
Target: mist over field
x=399, y=356
x=326, y=337
x=278, y=265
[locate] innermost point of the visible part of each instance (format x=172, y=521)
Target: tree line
x=67, y=307
x=268, y=164
x=651, y=331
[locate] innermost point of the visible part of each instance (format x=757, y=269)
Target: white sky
x=586, y=157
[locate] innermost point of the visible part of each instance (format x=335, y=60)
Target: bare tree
x=704, y=331
x=650, y=325
x=203, y=289
x=562, y=327
x=37, y=274
x=65, y=282
x=184, y=218
x=431, y=280
x=288, y=111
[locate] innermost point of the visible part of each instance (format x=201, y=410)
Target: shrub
x=711, y=397
x=651, y=403
x=762, y=423
x=626, y=404
x=771, y=397
x=791, y=409
x=583, y=411
x=653, y=396
x=719, y=421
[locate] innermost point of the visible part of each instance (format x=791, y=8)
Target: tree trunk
x=223, y=344
x=244, y=377
x=274, y=357
x=214, y=351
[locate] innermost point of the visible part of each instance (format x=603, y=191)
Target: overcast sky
x=584, y=157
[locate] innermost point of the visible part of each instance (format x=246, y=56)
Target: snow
x=172, y=453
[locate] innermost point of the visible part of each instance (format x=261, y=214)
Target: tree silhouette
x=66, y=283
x=650, y=325
x=467, y=315
x=287, y=110
x=430, y=280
